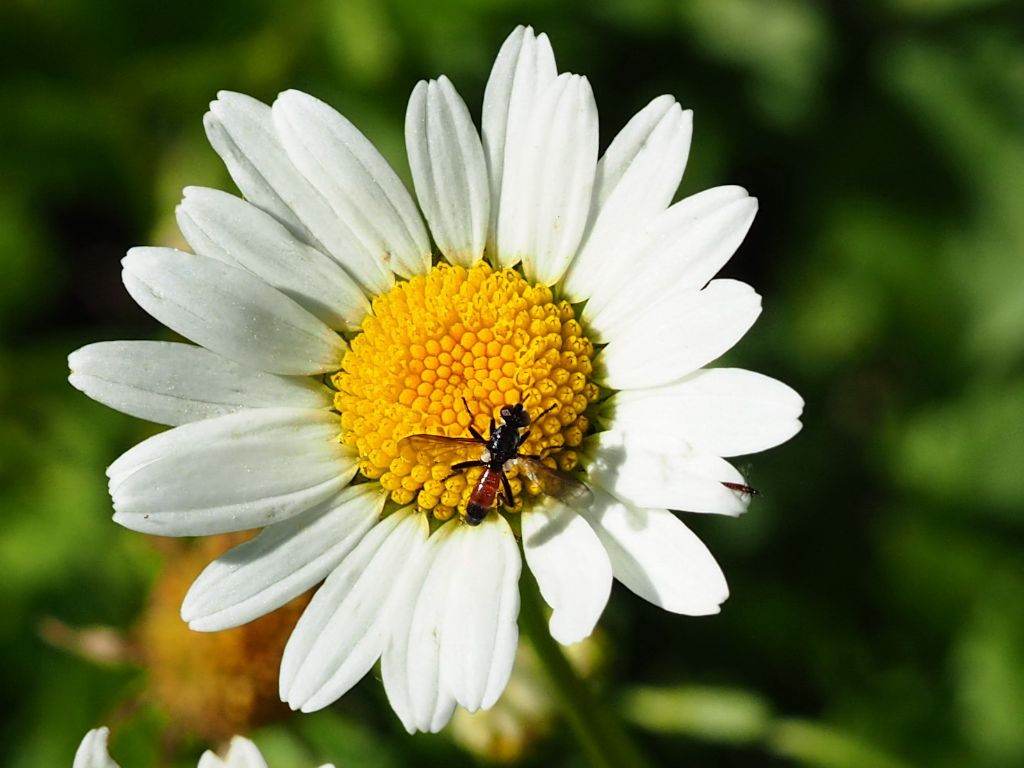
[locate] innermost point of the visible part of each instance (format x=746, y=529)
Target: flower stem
x=599, y=732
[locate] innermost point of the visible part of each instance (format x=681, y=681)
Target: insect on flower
x=500, y=454
x=741, y=488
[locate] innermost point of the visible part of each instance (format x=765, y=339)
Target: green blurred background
x=877, y=609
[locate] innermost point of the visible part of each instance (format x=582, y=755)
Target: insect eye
x=506, y=413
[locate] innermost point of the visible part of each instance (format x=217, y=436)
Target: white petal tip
x=226, y=97
x=711, y=604
x=198, y=622
x=293, y=98
x=568, y=635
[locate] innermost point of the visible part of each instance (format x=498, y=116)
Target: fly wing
x=438, y=449
x=565, y=488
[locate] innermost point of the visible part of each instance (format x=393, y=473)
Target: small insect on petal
x=740, y=488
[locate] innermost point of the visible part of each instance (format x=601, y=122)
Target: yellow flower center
x=485, y=336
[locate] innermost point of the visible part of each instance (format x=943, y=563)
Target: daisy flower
x=332, y=323
x=242, y=753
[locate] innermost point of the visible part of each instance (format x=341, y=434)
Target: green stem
x=599, y=732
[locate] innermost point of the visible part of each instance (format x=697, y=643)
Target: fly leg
x=507, y=491
x=525, y=435
x=467, y=464
x=534, y=456
x=456, y=468
x=472, y=429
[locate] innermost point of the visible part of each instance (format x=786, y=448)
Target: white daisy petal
x=242, y=753
x=571, y=568
x=546, y=199
x=478, y=630
x=242, y=131
x=724, y=411
x=658, y=557
x=230, y=311
x=346, y=626
x=677, y=335
x=680, y=250
x=635, y=180
x=448, y=170
x=661, y=128
x=525, y=66
x=411, y=662
x=285, y=560
x=652, y=469
x=365, y=193
x=229, y=229
x=169, y=383
x=92, y=752
x=235, y=472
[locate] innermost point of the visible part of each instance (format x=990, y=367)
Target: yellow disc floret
x=485, y=336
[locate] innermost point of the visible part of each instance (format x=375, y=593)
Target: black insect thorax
x=503, y=443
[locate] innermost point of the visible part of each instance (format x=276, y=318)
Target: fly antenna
x=545, y=411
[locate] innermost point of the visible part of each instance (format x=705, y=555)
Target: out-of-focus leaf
x=823, y=746
x=56, y=714
x=969, y=450
x=712, y=714
x=936, y=565
x=971, y=100
x=282, y=746
x=346, y=741
x=782, y=45
x=26, y=263
x=936, y=8
x=988, y=669
x=358, y=35
x=856, y=288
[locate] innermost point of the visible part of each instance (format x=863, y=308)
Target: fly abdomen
x=475, y=514
x=482, y=498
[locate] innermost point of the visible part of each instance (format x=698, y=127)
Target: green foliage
x=714, y=714
x=877, y=588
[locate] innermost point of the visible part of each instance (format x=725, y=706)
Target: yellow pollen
x=483, y=335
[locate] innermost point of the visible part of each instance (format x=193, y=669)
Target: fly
x=741, y=488
x=499, y=455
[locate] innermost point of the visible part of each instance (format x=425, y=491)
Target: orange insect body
x=484, y=493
